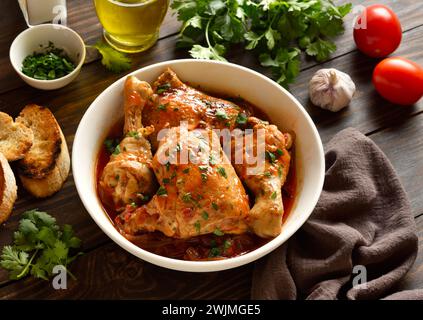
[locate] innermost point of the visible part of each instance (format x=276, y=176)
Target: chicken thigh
x=199, y=192
x=128, y=178
x=270, y=146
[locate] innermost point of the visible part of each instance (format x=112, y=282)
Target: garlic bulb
x=331, y=89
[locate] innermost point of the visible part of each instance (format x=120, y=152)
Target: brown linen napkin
x=363, y=218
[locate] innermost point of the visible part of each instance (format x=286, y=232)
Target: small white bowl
x=225, y=78
x=30, y=41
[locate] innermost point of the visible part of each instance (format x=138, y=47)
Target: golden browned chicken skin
x=128, y=177
x=175, y=102
x=199, y=196
x=205, y=194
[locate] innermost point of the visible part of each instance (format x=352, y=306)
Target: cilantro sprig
x=39, y=245
x=277, y=31
x=112, y=59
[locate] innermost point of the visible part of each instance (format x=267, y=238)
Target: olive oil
x=131, y=25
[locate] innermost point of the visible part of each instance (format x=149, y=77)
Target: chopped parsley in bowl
x=52, y=63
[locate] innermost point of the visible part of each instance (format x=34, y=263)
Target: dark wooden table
x=107, y=271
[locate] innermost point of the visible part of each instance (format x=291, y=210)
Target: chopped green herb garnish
x=142, y=197
x=186, y=170
x=222, y=171
x=204, y=176
x=205, y=215
x=133, y=134
x=280, y=172
x=164, y=87
x=270, y=156
x=221, y=115
x=197, y=226
x=267, y=174
x=279, y=152
x=167, y=165
x=241, y=118
x=218, y=232
x=134, y=205
x=111, y=144
x=273, y=196
x=117, y=150
x=212, y=160
x=215, y=252
x=162, y=107
x=51, y=64
x=161, y=191
x=227, y=244
x=166, y=180
x=186, y=197
x=203, y=168
x=215, y=206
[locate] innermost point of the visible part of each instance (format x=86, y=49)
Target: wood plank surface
x=396, y=130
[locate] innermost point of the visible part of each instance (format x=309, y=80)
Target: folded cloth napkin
x=361, y=228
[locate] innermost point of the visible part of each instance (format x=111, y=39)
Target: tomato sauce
x=204, y=247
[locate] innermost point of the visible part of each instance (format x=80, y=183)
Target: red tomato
x=382, y=33
x=399, y=80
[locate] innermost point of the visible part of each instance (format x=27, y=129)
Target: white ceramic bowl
x=29, y=41
x=282, y=108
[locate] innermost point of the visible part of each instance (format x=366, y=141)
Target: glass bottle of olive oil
x=131, y=25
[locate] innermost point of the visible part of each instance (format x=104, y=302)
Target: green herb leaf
x=241, y=119
x=50, y=64
x=205, y=215
x=227, y=244
x=163, y=88
x=186, y=197
x=39, y=245
x=133, y=134
x=112, y=59
x=161, y=191
x=117, y=150
x=197, y=226
x=111, y=144
x=215, y=206
x=270, y=156
x=215, y=252
x=222, y=172
x=218, y=232
x=221, y=115
x=275, y=30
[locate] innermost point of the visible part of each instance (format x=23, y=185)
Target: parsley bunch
x=39, y=245
x=276, y=30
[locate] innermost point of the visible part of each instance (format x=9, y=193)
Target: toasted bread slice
x=15, y=138
x=46, y=166
x=8, y=189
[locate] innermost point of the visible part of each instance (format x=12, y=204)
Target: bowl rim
x=184, y=265
x=48, y=26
